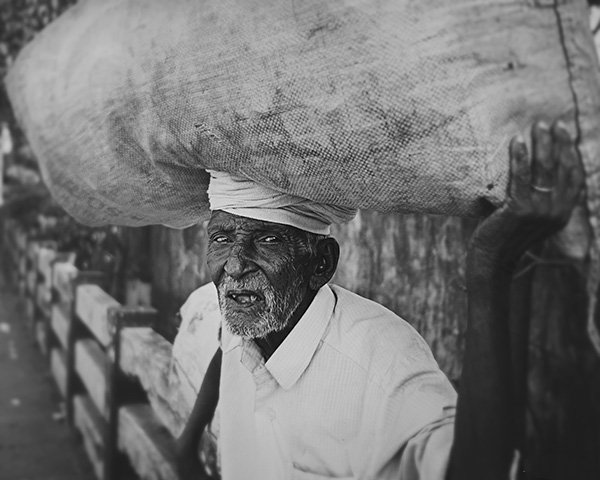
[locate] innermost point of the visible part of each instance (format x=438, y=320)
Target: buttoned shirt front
x=352, y=392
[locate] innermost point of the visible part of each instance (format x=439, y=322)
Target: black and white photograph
x=299, y=240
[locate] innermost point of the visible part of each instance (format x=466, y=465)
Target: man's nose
x=238, y=264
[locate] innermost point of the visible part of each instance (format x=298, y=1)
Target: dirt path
x=35, y=442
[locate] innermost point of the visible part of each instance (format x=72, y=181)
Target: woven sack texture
x=393, y=105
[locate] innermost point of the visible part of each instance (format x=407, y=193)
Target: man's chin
x=250, y=326
x=248, y=332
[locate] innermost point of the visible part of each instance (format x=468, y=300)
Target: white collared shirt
x=352, y=392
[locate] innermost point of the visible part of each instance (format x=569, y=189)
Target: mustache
x=255, y=283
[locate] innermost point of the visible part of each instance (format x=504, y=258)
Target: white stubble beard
x=273, y=317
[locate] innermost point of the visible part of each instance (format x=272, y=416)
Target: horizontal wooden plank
x=62, y=276
x=147, y=443
x=89, y=422
x=147, y=356
x=92, y=304
x=60, y=322
x=91, y=364
x=58, y=367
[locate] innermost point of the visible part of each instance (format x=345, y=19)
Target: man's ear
x=328, y=254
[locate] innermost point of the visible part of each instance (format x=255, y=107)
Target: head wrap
x=246, y=198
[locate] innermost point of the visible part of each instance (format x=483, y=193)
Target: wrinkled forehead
x=225, y=221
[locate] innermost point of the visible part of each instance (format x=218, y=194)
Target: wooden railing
x=116, y=374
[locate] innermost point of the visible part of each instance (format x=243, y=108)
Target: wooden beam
x=62, y=276
x=61, y=258
x=91, y=364
x=58, y=368
x=147, y=443
x=91, y=305
x=119, y=318
x=89, y=422
x=147, y=356
x=75, y=333
x=60, y=321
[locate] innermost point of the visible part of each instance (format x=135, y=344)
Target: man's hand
x=543, y=189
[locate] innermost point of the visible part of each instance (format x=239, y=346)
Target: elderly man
x=317, y=382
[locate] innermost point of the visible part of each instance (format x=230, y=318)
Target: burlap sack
x=394, y=105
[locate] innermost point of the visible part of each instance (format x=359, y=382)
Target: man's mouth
x=244, y=297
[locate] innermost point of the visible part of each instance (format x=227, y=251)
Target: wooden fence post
x=51, y=340
x=74, y=329
x=117, y=391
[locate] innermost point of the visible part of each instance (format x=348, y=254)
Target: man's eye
x=220, y=239
x=269, y=239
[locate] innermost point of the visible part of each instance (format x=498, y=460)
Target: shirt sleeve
x=408, y=423
x=427, y=454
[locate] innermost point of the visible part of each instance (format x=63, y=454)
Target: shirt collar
x=292, y=357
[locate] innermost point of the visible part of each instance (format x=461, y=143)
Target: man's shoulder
x=375, y=338
x=356, y=313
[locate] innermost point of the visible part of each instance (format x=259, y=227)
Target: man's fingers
x=549, y=183
x=543, y=167
x=575, y=183
x=569, y=175
x=543, y=161
x=519, y=187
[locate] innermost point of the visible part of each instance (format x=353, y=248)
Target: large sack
x=394, y=105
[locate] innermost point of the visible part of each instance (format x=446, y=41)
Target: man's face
x=262, y=272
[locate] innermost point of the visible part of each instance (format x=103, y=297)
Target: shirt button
x=271, y=413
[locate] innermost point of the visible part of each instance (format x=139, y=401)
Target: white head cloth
x=246, y=198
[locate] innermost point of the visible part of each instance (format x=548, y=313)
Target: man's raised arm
x=543, y=189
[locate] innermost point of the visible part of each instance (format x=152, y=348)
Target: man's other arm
x=202, y=413
x=542, y=192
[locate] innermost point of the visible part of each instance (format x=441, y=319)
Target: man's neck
x=270, y=342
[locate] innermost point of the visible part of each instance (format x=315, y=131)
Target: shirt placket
x=273, y=452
